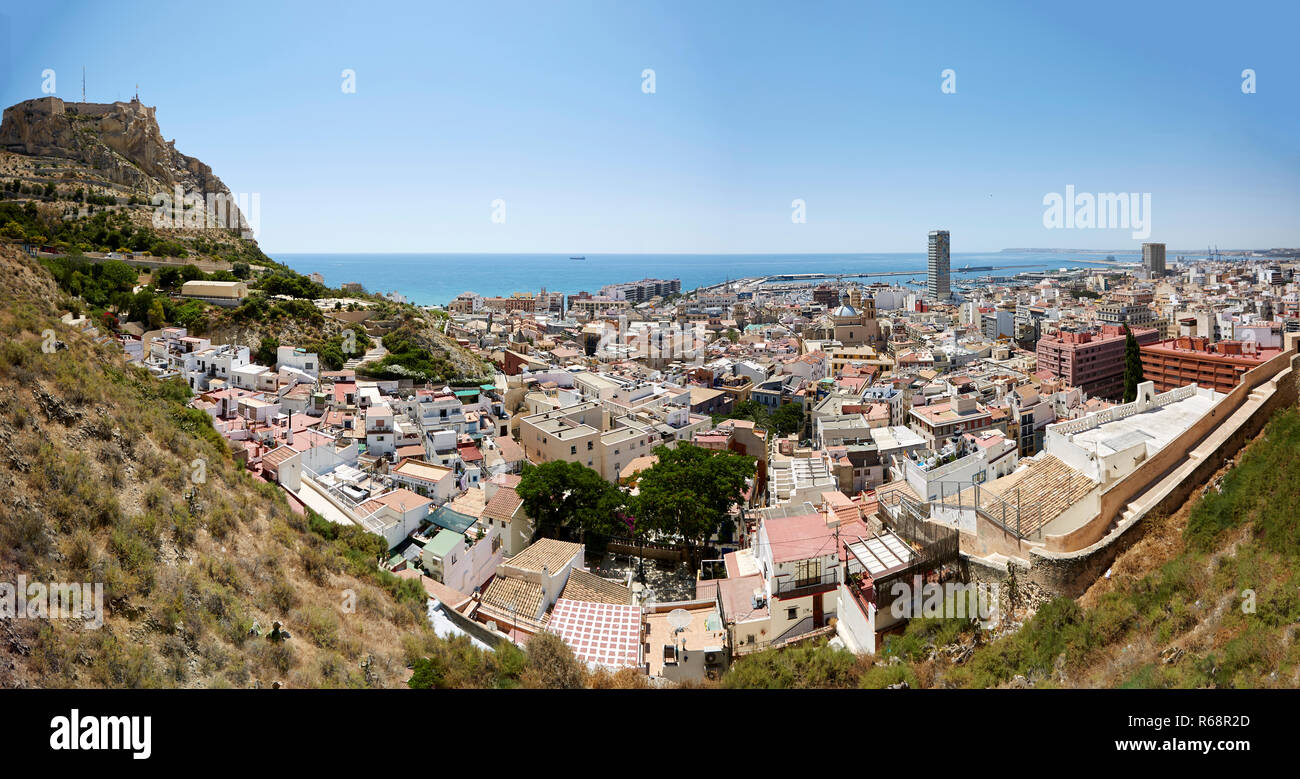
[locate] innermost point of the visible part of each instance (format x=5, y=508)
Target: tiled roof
x=1041, y=491
x=506, y=592
x=600, y=633
x=585, y=586
x=400, y=499
x=510, y=450
x=548, y=553
x=503, y=505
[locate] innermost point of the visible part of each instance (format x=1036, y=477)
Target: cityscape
x=649, y=351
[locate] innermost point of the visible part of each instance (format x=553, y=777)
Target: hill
x=83, y=180
x=97, y=462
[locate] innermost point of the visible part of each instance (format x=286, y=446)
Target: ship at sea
x=577, y=258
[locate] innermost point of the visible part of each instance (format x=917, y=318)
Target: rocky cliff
x=120, y=143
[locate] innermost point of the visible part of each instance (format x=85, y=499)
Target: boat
x=577, y=258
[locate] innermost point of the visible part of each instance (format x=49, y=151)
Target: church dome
x=845, y=311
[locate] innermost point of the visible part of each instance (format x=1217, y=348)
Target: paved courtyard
x=668, y=581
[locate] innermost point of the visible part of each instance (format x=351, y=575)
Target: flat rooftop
x=1156, y=427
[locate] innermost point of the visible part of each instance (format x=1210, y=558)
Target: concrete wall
x=1070, y=563
x=1168, y=458
x=858, y=630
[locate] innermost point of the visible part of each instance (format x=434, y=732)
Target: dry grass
x=94, y=461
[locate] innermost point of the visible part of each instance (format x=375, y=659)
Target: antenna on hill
x=83, y=83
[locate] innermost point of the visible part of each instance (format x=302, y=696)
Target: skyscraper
x=940, y=265
x=1153, y=258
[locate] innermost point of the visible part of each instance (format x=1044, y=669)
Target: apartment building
x=1180, y=361
x=1094, y=362
x=584, y=433
x=946, y=419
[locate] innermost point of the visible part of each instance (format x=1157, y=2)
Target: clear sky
x=755, y=104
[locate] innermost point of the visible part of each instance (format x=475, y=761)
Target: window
x=574, y=449
x=792, y=613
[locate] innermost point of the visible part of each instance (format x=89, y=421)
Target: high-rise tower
x=1153, y=258
x=940, y=265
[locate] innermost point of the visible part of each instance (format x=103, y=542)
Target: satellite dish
x=680, y=619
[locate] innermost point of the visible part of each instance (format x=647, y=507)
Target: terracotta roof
x=548, y=553
x=450, y=597
x=503, y=505
x=506, y=591
x=400, y=499
x=506, y=479
x=510, y=451
x=585, y=586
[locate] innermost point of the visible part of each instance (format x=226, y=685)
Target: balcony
x=792, y=587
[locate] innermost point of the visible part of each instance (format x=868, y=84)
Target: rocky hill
x=81, y=179
x=115, y=148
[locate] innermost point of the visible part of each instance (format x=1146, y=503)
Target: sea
x=436, y=279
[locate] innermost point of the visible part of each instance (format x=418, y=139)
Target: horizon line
x=748, y=254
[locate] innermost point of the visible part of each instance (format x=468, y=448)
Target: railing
x=1013, y=517
x=1114, y=413
x=791, y=587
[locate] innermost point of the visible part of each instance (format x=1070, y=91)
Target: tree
x=267, y=350
x=800, y=667
x=1132, y=366
x=690, y=491
x=157, y=316
x=788, y=418
x=167, y=279
x=561, y=494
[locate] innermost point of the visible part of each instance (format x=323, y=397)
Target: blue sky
x=756, y=104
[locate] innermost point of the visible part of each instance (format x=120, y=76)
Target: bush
x=803, y=666
x=552, y=664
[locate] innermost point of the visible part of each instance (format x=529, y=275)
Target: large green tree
x=690, y=491
x=788, y=418
x=570, y=496
x=1132, y=366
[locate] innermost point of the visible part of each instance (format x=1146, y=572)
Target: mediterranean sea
x=436, y=279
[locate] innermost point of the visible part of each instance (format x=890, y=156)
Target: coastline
x=436, y=279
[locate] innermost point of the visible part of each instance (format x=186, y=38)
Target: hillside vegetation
x=96, y=459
